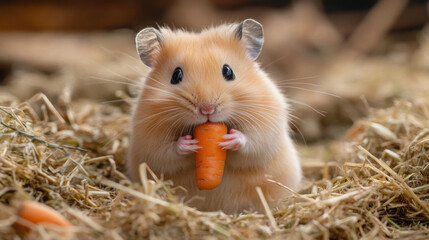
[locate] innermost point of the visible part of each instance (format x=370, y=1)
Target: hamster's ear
x=252, y=35
x=148, y=42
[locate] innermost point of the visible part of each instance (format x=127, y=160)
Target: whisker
x=249, y=96
x=147, y=118
x=300, y=133
x=134, y=59
x=302, y=78
x=122, y=76
x=244, y=122
x=275, y=61
x=283, y=84
x=156, y=100
x=173, y=126
x=268, y=120
x=182, y=129
x=260, y=107
x=118, y=100
x=251, y=115
x=153, y=79
x=292, y=117
x=270, y=109
x=115, y=73
x=314, y=91
x=155, y=128
x=137, y=70
x=128, y=55
x=322, y=113
x=171, y=94
x=114, y=52
x=114, y=81
x=249, y=102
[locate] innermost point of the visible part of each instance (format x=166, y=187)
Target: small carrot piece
x=38, y=213
x=210, y=158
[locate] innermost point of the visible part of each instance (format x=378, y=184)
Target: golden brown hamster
x=212, y=76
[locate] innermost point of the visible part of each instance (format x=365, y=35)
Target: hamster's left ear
x=252, y=35
x=148, y=43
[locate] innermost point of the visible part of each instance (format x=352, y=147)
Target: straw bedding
x=70, y=156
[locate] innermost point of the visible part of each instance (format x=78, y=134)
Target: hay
x=70, y=156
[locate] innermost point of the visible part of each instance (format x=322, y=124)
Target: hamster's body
x=211, y=76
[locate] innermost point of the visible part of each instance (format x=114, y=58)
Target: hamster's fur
x=251, y=105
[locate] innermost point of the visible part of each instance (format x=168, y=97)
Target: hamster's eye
x=177, y=76
x=227, y=73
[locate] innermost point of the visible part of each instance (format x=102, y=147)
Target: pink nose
x=208, y=109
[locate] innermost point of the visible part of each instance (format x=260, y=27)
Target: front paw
x=186, y=145
x=234, y=140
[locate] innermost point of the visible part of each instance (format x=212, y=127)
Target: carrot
x=38, y=213
x=210, y=159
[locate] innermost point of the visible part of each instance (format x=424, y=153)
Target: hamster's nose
x=208, y=109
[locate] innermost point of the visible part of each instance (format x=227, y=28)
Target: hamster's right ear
x=148, y=43
x=251, y=33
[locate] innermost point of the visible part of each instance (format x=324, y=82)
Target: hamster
x=212, y=76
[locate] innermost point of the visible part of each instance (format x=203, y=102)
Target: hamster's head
x=209, y=76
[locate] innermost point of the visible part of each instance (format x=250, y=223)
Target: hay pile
x=381, y=186
x=71, y=157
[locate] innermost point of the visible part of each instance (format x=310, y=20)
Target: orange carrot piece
x=38, y=213
x=210, y=159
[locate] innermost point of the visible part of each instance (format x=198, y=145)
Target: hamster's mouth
x=190, y=129
x=197, y=124
x=229, y=125
x=211, y=120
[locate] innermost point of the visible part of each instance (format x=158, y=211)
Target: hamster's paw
x=234, y=140
x=186, y=145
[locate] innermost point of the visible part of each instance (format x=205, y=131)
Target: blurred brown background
x=332, y=58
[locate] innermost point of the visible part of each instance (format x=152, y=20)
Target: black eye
x=177, y=76
x=227, y=73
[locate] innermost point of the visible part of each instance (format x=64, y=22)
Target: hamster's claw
x=186, y=145
x=234, y=140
